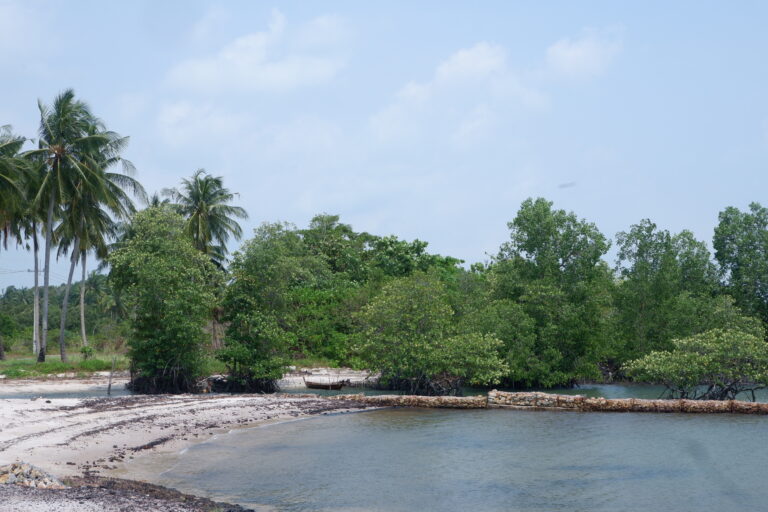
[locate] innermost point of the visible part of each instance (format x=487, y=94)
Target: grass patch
x=24, y=366
x=212, y=366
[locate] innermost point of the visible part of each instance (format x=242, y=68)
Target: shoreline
x=102, y=436
x=121, y=443
x=124, y=443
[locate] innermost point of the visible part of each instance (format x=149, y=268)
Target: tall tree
x=33, y=218
x=87, y=219
x=11, y=183
x=210, y=218
x=66, y=140
x=18, y=215
x=167, y=284
x=552, y=267
x=661, y=276
x=408, y=333
x=741, y=248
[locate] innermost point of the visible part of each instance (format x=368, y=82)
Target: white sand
x=72, y=436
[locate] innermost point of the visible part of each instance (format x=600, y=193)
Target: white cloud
x=300, y=140
x=460, y=103
x=474, y=126
x=475, y=63
x=583, y=57
x=476, y=93
x=325, y=31
x=182, y=122
x=263, y=61
x=212, y=20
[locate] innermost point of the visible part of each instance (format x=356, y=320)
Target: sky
x=431, y=120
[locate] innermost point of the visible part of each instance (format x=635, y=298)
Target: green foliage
x=397, y=258
x=552, y=271
x=717, y=364
x=741, y=248
x=310, y=282
x=166, y=284
x=407, y=333
x=663, y=277
x=8, y=326
x=87, y=352
x=210, y=220
x=256, y=344
x=342, y=249
x=12, y=177
x=27, y=367
x=7, y=329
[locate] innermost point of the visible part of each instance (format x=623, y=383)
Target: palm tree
x=66, y=141
x=11, y=183
x=204, y=202
x=87, y=222
x=29, y=227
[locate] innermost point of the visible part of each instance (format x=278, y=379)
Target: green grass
x=19, y=366
x=212, y=366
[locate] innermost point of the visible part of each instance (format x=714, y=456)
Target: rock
x=28, y=476
x=550, y=401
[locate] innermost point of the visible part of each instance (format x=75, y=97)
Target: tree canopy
x=718, y=364
x=166, y=284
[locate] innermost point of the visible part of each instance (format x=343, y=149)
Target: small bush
x=87, y=352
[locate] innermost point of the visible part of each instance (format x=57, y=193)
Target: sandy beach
x=121, y=436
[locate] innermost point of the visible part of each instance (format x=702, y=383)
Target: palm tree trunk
x=36, y=307
x=65, y=304
x=83, y=335
x=46, y=278
x=2, y=350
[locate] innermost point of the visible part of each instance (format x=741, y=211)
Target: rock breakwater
x=547, y=401
x=28, y=475
x=449, y=402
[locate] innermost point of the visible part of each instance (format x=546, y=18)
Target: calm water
x=423, y=460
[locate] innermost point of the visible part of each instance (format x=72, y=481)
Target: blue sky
x=429, y=120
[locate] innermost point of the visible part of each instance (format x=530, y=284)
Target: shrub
x=407, y=333
x=87, y=352
x=166, y=284
x=717, y=364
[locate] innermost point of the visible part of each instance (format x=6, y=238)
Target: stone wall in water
x=451, y=402
x=549, y=401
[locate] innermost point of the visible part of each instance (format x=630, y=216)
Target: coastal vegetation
x=715, y=365
x=168, y=286
x=547, y=309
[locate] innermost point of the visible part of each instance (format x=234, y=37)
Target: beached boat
x=325, y=385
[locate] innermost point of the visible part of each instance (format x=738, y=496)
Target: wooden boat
x=325, y=385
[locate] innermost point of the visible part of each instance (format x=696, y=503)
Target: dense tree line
x=547, y=309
